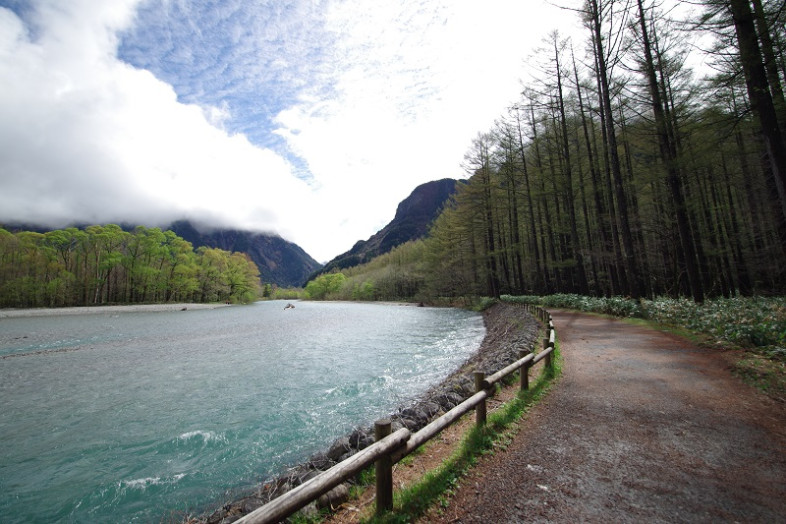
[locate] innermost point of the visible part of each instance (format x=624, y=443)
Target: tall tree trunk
x=512, y=173
x=547, y=223
x=565, y=278
x=575, y=247
x=761, y=98
x=592, y=288
x=634, y=277
x=540, y=281
x=515, y=235
x=735, y=235
x=619, y=271
x=771, y=65
x=669, y=155
x=593, y=178
x=638, y=237
x=600, y=208
x=492, y=276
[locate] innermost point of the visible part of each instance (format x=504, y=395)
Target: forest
x=618, y=171
x=107, y=265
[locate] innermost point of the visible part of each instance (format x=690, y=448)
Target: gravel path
x=642, y=427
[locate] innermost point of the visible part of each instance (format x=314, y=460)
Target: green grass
x=438, y=486
x=767, y=375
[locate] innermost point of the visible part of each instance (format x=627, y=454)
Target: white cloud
x=86, y=137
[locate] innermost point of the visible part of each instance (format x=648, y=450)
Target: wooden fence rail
x=390, y=448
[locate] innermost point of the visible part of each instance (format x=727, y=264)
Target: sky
x=310, y=119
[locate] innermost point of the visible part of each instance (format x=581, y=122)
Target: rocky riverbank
x=509, y=329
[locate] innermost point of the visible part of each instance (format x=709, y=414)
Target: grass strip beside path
x=434, y=490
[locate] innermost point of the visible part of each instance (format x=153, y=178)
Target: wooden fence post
x=480, y=409
x=384, y=469
x=524, y=371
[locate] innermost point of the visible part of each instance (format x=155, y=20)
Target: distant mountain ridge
x=280, y=262
x=414, y=216
x=286, y=264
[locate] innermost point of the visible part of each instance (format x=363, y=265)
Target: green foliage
x=364, y=291
x=287, y=293
x=752, y=322
x=396, y=275
x=485, y=303
x=367, y=477
x=324, y=285
x=748, y=322
x=767, y=373
x=106, y=265
x=616, y=306
x=308, y=518
x=242, y=278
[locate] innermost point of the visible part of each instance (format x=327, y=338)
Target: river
x=150, y=416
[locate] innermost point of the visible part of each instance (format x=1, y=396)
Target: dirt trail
x=642, y=427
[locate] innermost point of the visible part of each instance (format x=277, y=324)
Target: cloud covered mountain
x=279, y=261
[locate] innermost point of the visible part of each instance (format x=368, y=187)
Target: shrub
x=617, y=306
x=746, y=321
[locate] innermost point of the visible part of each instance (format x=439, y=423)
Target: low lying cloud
x=85, y=137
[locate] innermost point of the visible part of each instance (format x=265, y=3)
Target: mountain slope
x=279, y=261
x=414, y=216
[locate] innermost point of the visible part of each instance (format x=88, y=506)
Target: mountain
x=279, y=261
x=286, y=264
x=414, y=216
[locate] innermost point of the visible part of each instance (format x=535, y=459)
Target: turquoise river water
x=150, y=416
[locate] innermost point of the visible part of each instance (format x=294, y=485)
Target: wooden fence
x=389, y=448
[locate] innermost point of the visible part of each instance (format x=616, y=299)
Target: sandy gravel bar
x=92, y=310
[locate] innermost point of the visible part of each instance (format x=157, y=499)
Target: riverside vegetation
x=107, y=265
